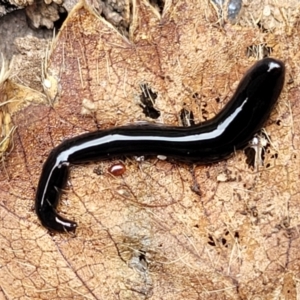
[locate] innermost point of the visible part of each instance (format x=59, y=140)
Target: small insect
x=117, y=169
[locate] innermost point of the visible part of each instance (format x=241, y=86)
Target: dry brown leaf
x=163, y=230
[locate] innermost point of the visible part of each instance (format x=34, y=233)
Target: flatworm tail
x=207, y=142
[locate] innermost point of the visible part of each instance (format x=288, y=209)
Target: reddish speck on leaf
x=117, y=169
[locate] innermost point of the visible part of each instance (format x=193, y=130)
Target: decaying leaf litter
x=163, y=229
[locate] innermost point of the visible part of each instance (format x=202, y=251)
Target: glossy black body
x=208, y=142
